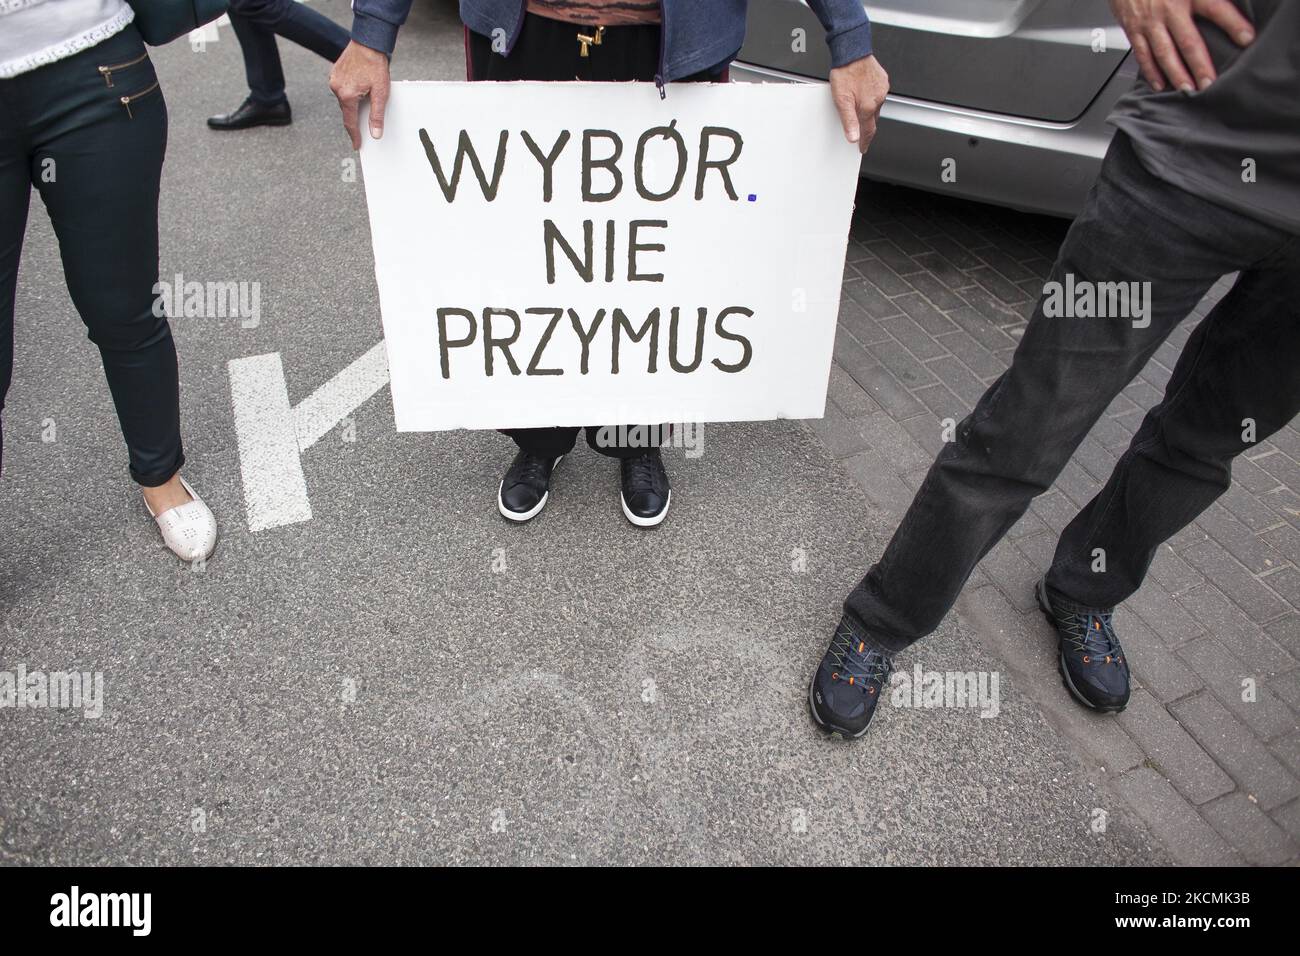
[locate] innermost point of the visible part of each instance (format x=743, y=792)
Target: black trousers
x=1236, y=382
x=97, y=163
x=256, y=24
x=548, y=49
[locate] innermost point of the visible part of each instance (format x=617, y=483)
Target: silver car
x=1004, y=101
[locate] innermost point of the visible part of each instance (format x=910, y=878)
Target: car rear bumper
x=1025, y=164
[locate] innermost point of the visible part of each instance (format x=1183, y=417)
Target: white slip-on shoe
x=189, y=530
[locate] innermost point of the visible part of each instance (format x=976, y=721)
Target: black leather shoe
x=526, y=486
x=1092, y=663
x=252, y=114
x=645, y=493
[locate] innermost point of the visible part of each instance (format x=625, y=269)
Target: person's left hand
x=859, y=89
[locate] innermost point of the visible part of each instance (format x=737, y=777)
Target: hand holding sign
x=859, y=90
x=536, y=271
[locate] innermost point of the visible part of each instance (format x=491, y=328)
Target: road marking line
x=319, y=412
x=272, y=434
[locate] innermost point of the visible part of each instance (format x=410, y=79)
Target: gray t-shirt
x=1238, y=142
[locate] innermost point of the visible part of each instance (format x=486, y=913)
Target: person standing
x=256, y=24
x=607, y=41
x=83, y=120
x=1201, y=180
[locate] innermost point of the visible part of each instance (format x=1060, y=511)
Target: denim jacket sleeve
x=375, y=22
x=848, y=31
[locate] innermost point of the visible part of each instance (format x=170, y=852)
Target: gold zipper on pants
x=128, y=100
x=107, y=71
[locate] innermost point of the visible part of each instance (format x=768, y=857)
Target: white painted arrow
x=272, y=434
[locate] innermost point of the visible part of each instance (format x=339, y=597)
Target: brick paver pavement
x=936, y=294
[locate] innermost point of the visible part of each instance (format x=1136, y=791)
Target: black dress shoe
x=526, y=486
x=645, y=491
x=252, y=114
x=1089, y=655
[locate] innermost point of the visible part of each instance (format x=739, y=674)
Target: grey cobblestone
x=1055, y=509
x=1237, y=750
x=848, y=397
x=1241, y=542
x=1173, y=573
x=942, y=402
x=891, y=440
x=1227, y=622
x=1030, y=524
x=1288, y=818
x=840, y=436
x=1287, y=686
x=1013, y=574
x=1231, y=576
x=1285, y=631
x=1285, y=540
x=1285, y=582
x=1243, y=824
x=1164, y=615
x=894, y=257
x=927, y=431
x=973, y=355
x=1287, y=749
x=1159, y=669
x=871, y=299
x=1036, y=548
x=1186, y=834
x=912, y=337
x=1227, y=676
x=1172, y=750
x=1285, y=504
x=959, y=378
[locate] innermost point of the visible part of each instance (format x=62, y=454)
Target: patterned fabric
x=36, y=32
x=609, y=13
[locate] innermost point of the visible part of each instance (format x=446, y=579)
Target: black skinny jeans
x=1237, y=380
x=548, y=49
x=97, y=162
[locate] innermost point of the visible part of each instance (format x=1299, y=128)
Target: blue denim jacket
x=697, y=34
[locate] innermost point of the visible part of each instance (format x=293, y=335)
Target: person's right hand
x=358, y=73
x=1167, y=44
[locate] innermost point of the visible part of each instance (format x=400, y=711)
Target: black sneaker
x=848, y=684
x=645, y=493
x=1092, y=663
x=526, y=486
x=250, y=114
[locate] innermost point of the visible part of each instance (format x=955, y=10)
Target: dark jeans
x=97, y=163
x=1240, y=366
x=548, y=49
x=256, y=23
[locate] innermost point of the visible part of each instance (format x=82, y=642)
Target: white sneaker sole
x=645, y=522
x=521, y=516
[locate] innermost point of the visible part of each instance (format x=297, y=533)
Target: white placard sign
x=591, y=254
